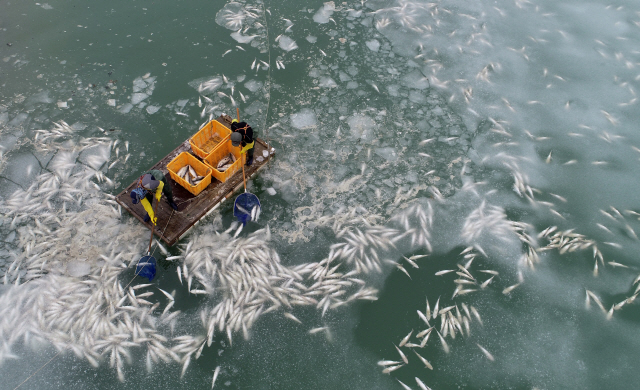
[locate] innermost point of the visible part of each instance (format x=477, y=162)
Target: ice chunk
x=42, y=97
x=139, y=84
x=327, y=82
x=373, y=45
x=182, y=103
x=388, y=154
x=126, y=108
x=415, y=79
x=265, y=153
x=78, y=268
x=138, y=97
x=324, y=13
x=111, y=102
x=253, y=85
x=95, y=156
x=287, y=44
x=4, y=117
x=12, y=235
x=46, y=6
x=362, y=126
x=62, y=104
x=304, y=119
x=312, y=39
x=22, y=169
x=271, y=191
x=417, y=96
x=152, y=109
x=231, y=16
x=242, y=38
x=21, y=118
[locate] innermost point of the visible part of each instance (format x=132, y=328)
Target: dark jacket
x=244, y=129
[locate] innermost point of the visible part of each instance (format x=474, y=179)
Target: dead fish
x=424, y=361
x=405, y=387
x=292, y=317
x=486, y=353
x=422, y=385
x=510, y=288
x=401, y=268
x=435, y=309
x=445, y=346
x=443, y=272
x=215, y=376
x=391, y=369
x=402, y=355
x=385, y=363
x=316, y=330
x=404, y=340
x=423, y=318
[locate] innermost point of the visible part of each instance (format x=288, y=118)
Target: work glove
x=154, y=220
x=158, y=195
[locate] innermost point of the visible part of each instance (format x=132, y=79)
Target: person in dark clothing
x=242, y=135
x=152, y=182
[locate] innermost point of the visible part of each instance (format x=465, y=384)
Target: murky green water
x=485, y=115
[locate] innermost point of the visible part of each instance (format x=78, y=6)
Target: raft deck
x=191, y=208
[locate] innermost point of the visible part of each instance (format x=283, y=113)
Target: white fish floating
x=402, y=355
x=486, y=353
x=292, y=317
x=215, y=376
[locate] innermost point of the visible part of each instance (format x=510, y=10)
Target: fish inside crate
x=189, y=175
x=226, y=162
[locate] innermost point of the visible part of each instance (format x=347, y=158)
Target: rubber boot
x=147, y=218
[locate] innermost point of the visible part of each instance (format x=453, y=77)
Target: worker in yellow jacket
x=242, y=135
x=152, y=181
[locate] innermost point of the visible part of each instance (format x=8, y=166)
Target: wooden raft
x=191, y=208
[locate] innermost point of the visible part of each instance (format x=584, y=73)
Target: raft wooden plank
x=172, y=225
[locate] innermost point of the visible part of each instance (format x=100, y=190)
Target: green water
x=346, y=117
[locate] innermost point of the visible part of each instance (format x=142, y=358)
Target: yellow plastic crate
x=220, y=152
x=201, y=169
x=206, y=139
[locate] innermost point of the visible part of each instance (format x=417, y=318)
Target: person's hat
x=234, y=121
x=236, y=138
x=137, y=195
x=149, y=182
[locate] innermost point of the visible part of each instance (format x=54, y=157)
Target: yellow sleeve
x=159, y=191
x=147, y=206
x=247, y=147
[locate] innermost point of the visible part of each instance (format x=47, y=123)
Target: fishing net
x=243, y=208
x=146, y=267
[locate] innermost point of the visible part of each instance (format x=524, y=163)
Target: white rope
x=266, y=114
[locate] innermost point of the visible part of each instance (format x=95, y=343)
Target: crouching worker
x=243, y=136
x=149, y=182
